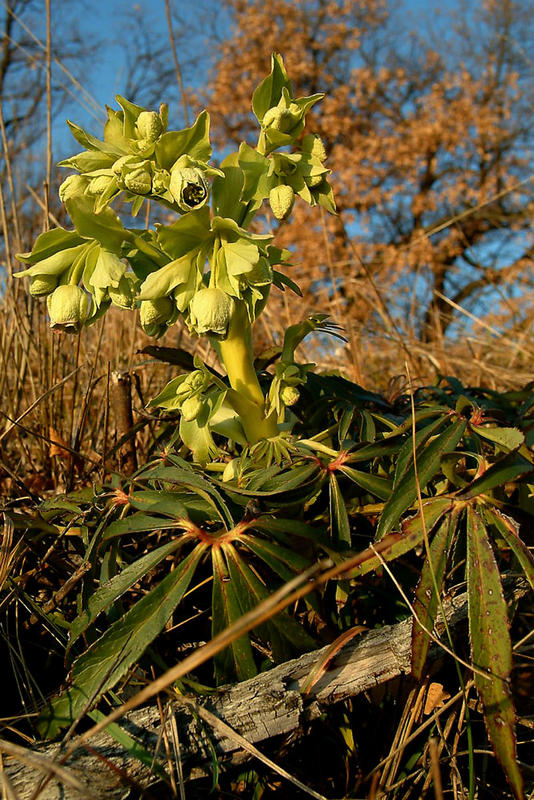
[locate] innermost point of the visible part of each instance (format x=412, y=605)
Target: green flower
x=42, y=285
x=281, y=199
x=139, y=180
x=123, y=295
x=189, y=187
x=210, y=312
x=68, y=308
x=149, y=125
x=161, y=181
x=72, y=186
x=157, y=315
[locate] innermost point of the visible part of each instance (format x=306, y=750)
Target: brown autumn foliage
x=425, y=141
x=428, y=145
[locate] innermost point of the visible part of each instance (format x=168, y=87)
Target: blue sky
x=107, y=19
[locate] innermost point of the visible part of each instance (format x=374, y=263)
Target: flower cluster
x=206, y=267
x=140, y=159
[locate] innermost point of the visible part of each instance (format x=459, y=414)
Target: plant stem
x=247, y=398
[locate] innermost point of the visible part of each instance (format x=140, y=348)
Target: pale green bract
x=206, y=267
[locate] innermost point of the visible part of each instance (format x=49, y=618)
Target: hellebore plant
x=207, y=267
x=443, y=478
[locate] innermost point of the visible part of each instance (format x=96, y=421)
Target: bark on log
x=261, y=708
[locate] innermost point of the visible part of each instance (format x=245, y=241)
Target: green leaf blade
x=491, y=647
x=109, y=658
x=236, y=660
x=427, y=466
x=339, y=519
x=110, y=591
x=426, y=600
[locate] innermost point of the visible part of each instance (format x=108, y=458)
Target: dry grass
x=61, y=420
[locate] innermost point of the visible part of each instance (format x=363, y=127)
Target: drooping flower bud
x=289, y=395
x=194, y=383
x=313, y=181
x=149, y=125
x=68, y=307
x=210, y=312
x=189, y=187
x=42, y=285
x=192, y=407
x=313, y=145
x=282, y=118
x=99, y=184
x=156, y=315
x=281, y=199
x=123, y=295
x=138, y=181
x=73, y=186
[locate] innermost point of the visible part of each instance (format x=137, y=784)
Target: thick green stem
x=247, y=398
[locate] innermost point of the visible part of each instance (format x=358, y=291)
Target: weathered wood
x=261, y=708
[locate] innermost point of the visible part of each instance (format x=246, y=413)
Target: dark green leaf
x=109, y=658
x=138, y=523
x=108, y=592
x=428, y=465
x=280, y=280
x=284, y=634
x=375, y=484
x=507, y=439
x=426, y=600
x=283, y=561
x=228, y=605
x=339, y=519
x=396, y=544
x=491, y=647
x=510, y=468
x=508, y=529
x=405, y=457
x=198, y=484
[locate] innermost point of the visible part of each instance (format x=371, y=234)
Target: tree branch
x=269, y=705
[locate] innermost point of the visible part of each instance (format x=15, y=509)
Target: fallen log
x=269, y=705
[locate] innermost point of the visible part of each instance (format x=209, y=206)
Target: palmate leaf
x=283, y=561
x=426, y=600
x=285, y=635
x=196, y=483
x=508, y=529
x=228, y=605
x=491, y=646
x=509, y=468
x=140, y=523
x=109, y=591
x=284, y=530
x=109, y=658
x=285, y=482
x=405, y=457
x=339, y=519
x=396, y=544
x=428, y=465
x=377, y=485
